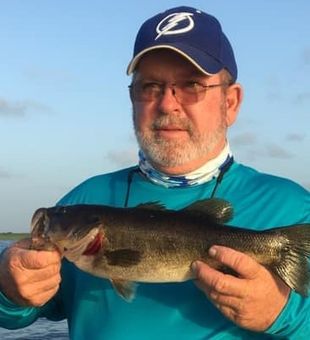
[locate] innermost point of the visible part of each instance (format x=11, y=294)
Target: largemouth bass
x=149, y=243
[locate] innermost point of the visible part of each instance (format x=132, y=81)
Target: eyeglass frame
x=173, y=86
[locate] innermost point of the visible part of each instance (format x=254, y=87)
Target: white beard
x=172, y=153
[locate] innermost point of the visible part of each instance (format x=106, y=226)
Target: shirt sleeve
x=293, y=322
x=13, y=316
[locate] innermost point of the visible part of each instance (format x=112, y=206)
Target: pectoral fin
x=126, y=289
x=123, y=257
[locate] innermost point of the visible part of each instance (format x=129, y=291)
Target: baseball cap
x=195, y=35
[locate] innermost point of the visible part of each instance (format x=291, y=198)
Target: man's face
x=176, y=137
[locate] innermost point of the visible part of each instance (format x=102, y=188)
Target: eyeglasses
x=186, y=92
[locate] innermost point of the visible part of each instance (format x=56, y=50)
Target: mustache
x=177, y=122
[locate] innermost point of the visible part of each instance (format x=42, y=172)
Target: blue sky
x=65, y=114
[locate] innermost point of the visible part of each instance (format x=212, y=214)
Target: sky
x=65, y=113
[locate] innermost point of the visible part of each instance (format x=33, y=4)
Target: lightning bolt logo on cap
x=171, y=24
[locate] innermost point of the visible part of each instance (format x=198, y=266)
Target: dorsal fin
x=219, y=210
x=156, y=205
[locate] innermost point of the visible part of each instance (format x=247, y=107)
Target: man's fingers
x=35, y=293
x=32, y=259
x=42, y=274
x=40, y=298
x=29, y=277
x=242, y=264
x=211, y=280
x=241, y=298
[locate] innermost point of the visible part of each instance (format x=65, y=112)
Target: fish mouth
x=39, y=228
x=39, y=223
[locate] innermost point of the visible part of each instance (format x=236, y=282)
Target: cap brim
x=202, y=61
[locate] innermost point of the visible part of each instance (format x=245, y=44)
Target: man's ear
x=234, y=96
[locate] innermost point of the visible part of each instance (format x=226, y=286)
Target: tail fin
x=294, y=267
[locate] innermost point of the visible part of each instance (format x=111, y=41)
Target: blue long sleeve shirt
x=170, y=310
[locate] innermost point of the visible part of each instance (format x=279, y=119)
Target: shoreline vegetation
x=13, y=236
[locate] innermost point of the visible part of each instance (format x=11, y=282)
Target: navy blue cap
x=192, y=33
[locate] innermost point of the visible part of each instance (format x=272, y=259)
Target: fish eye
x=60, y=210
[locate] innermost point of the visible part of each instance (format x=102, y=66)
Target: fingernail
x=194, y=266
x=212, y=251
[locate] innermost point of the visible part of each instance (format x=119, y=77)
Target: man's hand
x=29, y=277
x=253, y=300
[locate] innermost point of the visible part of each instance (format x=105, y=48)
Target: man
x=185, y=96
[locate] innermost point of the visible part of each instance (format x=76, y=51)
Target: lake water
x=42, y=329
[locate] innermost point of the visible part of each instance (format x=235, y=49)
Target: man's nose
x=168, y=100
